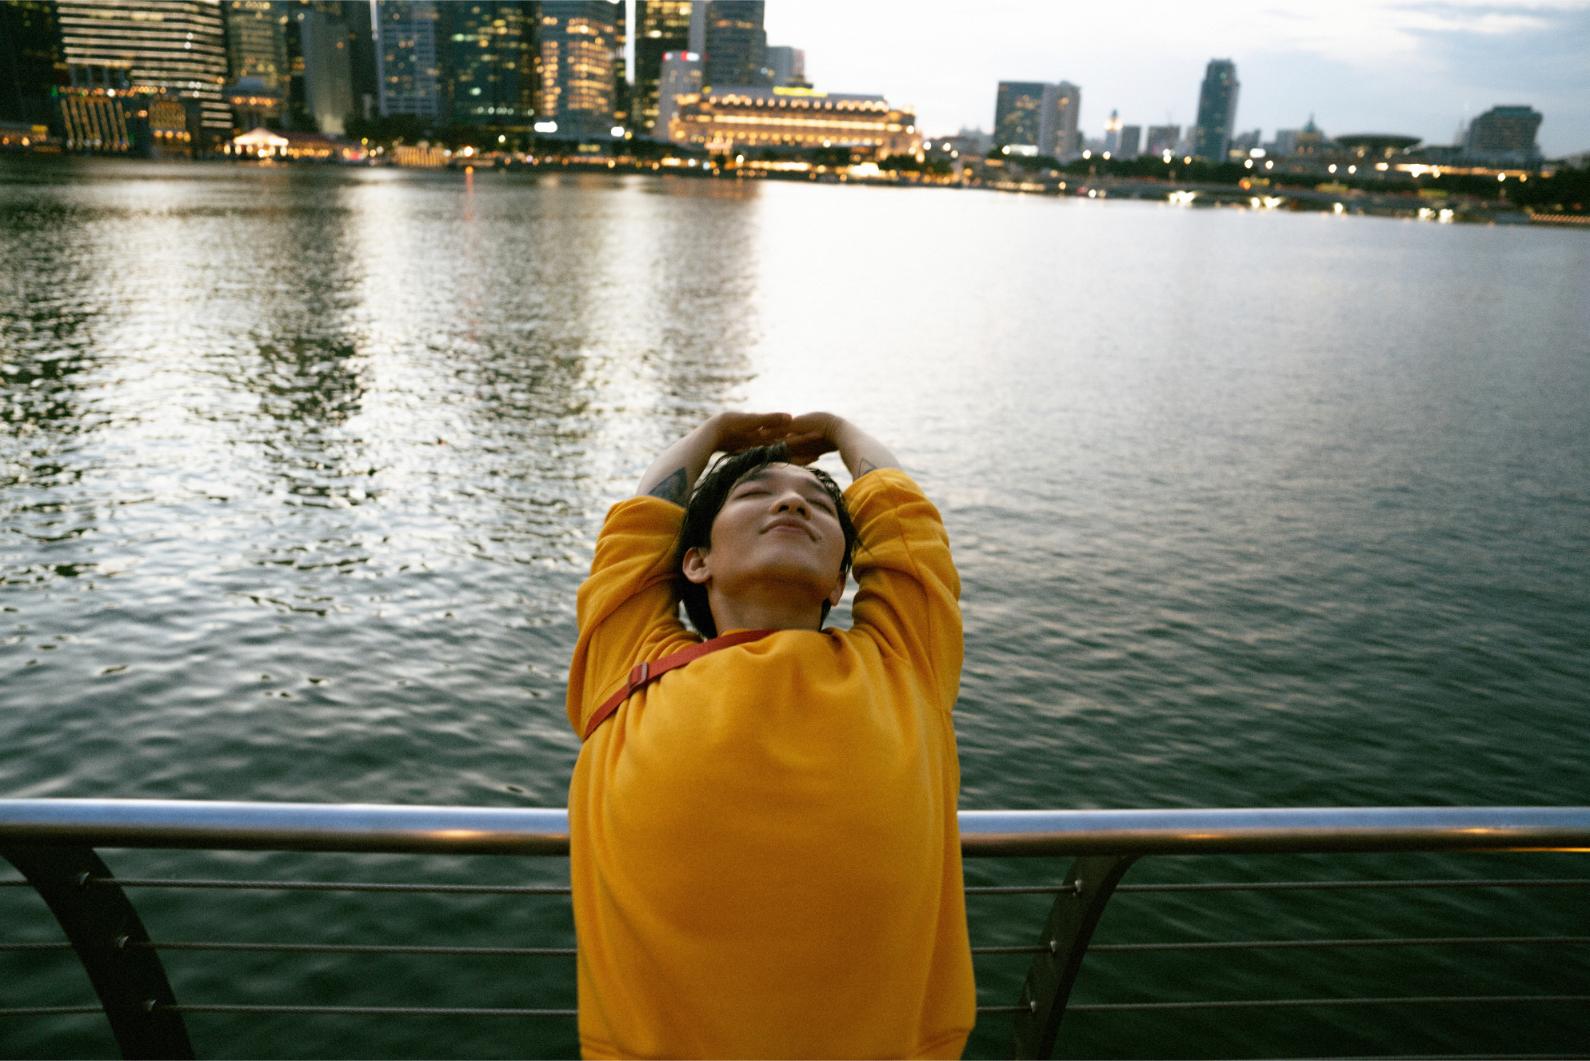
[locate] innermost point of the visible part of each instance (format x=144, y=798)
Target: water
x=301, y=468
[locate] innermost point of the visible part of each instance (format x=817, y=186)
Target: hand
x=741, y=431
x=810, y=435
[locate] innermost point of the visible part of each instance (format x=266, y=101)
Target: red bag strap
x=643, y=673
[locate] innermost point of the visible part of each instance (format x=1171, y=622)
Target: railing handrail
x=385, y=828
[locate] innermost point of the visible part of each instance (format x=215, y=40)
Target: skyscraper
x=577, y=73
x=1057, y=133
x=1505, y=134
x=175, y=47
x=32, y=62
x=321, y=86
x=662, y=27
x=1018, y=114
x=362, y=63
x=489, y=62
x=255, y=45
x=1038, y=117
x=406, y=54
x=1217, y=110
x=736, y=46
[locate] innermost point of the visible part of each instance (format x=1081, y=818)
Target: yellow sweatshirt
x=765, y=856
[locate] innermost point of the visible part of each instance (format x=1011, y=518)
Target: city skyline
x=1420, y=68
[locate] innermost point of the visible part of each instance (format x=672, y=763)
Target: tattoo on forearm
x=672, y=488
x=863, y=468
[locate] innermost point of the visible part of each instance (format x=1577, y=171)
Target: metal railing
x=54, y=844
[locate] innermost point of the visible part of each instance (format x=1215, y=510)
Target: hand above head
x=810, y=435
x=741, y=431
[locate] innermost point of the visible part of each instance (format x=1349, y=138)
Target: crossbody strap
x=642, y=673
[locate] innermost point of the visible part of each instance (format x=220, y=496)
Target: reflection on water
x=302, y=467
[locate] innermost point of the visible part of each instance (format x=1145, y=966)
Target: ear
x=695, y=566
x=838, y=592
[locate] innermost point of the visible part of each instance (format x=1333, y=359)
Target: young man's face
x=778, y=527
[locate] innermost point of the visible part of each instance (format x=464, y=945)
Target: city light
x=1164, y=156
x=546, y=127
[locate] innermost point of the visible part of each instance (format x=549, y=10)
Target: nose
x=791, y=501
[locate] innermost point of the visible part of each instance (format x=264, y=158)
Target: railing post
x=1077, y=909
x=102, y=926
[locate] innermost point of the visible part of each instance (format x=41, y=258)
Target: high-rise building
x=407, y=58
x=1217, y=110
x=662, y=27
x=1129, y=142
x=577, y=73
x=1038, y=117
x=256, y=47
x=362, y=62
x=489, y=66
x=320, y=88
x=1018, y=114
x=622, y=102
x=1112, y=133
x=171, y=47
x=32, y=61
x=1058, y=135
x=680, y=80
x=736, y=45
x=1162, y=138
x=788, y=66
x=1505, y=134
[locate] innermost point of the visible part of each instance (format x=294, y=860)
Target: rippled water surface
x=301, y=468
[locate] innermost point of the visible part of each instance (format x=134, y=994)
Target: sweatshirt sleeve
x=909, y=593
x=626, y=609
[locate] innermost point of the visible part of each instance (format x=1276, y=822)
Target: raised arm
x=672, y=474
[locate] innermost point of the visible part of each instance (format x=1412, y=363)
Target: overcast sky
x=1418, y=67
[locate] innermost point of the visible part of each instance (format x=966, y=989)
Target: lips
x=787, y=525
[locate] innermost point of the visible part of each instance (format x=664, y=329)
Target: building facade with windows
x=662, y=28
x=579, y=64
x=1037, y=117
x=490, y=68
x=1504, y=134
x=408, y=61
x=168, y=48
x=736, y=44
x=756, y=116
x=1217, y=110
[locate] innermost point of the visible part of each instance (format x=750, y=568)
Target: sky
x=1415, y=67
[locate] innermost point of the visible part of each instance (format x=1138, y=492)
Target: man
x=765, y=856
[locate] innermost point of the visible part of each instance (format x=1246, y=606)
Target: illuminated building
x=1018, y=113
x=736, y=44
x=757, y=116
x=253, y=104
x=1376, y=147
x=1217, y=110
x=1129, y=143
x=103, y=112
x=578, y=45
x=1035, y=117
x=491, y=62
x=410, y=76
x=32, y=63
x=176, y=47
x=680, y=79
x=1162, y=138
x=662, y=28
x=255, y=44
x=1504, y=134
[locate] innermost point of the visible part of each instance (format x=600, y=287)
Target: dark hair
x=706, y=501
